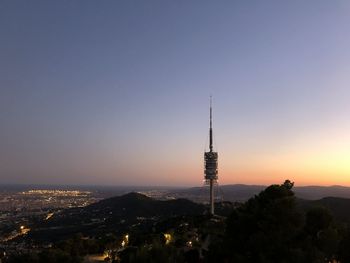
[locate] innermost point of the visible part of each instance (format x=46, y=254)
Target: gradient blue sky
x=116, y=92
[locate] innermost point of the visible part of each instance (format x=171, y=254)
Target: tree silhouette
x=270, y=228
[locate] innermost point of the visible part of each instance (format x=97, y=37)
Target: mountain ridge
x=242, y=192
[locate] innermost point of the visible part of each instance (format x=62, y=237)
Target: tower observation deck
x=211, y=164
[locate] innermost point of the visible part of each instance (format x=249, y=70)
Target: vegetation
x=270, y=228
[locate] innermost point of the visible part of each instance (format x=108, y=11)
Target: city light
x=24, y=230
x=125, y=240
x=168, y=238
x=49, y=215
x=56, y=192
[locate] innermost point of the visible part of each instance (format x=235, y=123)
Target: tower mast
x=211, y=164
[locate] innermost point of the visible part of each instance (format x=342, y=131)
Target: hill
x=112, y=215
x=241, y=192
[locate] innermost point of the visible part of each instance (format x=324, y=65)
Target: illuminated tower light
x=211, y=165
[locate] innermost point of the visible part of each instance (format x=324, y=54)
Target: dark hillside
x=113, y=215
x=339, y=207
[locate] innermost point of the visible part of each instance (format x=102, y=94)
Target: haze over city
x=117, y=92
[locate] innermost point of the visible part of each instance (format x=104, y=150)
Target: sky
x=117, y=92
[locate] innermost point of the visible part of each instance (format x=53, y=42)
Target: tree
x=319, y=238
x=265, y=227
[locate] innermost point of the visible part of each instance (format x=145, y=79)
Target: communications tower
x=211, y=165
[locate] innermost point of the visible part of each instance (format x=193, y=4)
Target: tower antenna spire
x=211, y=127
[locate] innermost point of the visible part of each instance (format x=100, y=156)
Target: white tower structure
x=211, y=165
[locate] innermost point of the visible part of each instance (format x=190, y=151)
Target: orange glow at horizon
x=319, y=160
